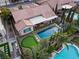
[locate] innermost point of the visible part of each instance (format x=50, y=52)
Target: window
x=27, y=30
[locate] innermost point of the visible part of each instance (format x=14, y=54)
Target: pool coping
x=63, y=46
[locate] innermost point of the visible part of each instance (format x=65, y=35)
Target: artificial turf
x=29, y=42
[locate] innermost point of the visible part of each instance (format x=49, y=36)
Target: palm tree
x=77, y=22
x=71, y=19
x=5, y=13
x=59, y=39
x=75, y=40
x=63, y=15
x=56, y=8
x=40, y=52
x=44, y=43
x=68, y=16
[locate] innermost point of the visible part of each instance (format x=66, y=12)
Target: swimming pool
x=69, y=52
x=46, y=33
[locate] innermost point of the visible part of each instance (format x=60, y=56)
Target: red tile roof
x=43, y=10
x=20, y=25
x=22, y=17
x=31, y=5
x=53, y=3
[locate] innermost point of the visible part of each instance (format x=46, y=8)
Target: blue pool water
x=71, y=53
x=47, y=32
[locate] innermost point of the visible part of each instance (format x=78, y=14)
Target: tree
x=44, y=43
x=63, y=17
x=5, y=13
x=77, y=22
x=27, y=53
x=56, y=8
x=40, y=52
x=71, y=19
x=75, y=40
x=59, y=39
x=68, y=16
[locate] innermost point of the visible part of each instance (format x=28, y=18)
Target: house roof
x=27, y=17
x=24, y=6
x=20, y=25
x=52, y=3
x=66, y=2
x=43, y=10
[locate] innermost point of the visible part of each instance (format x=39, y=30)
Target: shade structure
x=67, y=6
x=37, y=20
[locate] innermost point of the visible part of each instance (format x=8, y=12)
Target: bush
x=5, y=13
x=51, y=49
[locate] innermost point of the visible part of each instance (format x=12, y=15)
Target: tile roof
x=53, y=3
x=43, y=10
x=20, y=25
x=22, y=17
x=24, y=6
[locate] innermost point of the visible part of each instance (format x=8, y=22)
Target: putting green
x=29, y=42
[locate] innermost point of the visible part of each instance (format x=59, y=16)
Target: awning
x=53, y=17
x=37, y=20
x=40, y=19
x=67, y=6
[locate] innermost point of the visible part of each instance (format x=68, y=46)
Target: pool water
x=47, y=32
x=69, y=52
